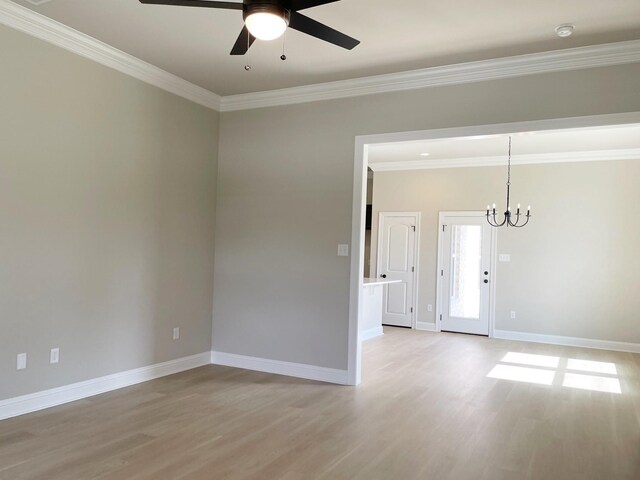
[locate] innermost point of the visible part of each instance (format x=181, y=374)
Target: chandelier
x=510, y=219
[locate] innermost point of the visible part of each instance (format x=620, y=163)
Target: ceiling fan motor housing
x=265, y=6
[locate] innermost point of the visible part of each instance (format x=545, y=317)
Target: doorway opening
x=470, y=195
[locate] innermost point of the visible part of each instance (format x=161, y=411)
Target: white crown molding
x=44, y=28
x=568, y=341
x=535, y=63
x=541, y=158
x=13, y=407
x=299, y=370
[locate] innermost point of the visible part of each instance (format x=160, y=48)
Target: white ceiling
x=194, y=43
x=524, y=143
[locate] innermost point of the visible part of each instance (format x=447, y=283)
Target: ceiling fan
x=268, y=19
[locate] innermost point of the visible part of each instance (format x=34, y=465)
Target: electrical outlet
x=176, y=333
x=21, y=361
x=513, y=315
x=343, y=250
x=504, y=257
x=429, y=308
x=54, y=355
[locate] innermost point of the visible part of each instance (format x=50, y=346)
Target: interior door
x=465, y=260
x=396, y=262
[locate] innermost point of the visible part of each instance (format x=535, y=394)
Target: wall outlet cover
x=513, y=315
x=343, y=250
x=504, y=257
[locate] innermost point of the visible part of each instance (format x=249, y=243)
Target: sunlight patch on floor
x=591, y=366
x=531, y=359
x=591, y=382
x=522, y=374
x=602, y=379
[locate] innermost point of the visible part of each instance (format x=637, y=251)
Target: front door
x=397, y=262
x=465, y=259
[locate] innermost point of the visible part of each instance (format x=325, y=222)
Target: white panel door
x=396, y=262
x=465, y=260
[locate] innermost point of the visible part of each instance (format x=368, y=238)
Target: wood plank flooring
x=426, y=410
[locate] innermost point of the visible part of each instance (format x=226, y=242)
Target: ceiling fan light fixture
x=266, y=22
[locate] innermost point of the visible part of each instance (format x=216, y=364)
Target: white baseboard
x=568, y=341
x=32, y=402
x=371, y=333
x=300, y=370
x=427, y=326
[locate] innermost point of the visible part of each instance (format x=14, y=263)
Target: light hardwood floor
x=426, y=410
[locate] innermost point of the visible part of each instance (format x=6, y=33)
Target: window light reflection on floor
x=517, y=367
x=531, y=359
x=591, y=382
x=591, y=366
x=522, y=374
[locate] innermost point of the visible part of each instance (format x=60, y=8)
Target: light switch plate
x=429, y=308
x=176, y=333
x=343, y=250
x=54, y=355
x=21, y=361
x=504, y=257
x=513, y=315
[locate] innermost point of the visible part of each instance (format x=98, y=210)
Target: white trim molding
x=426, y=326
x=371, y=333
x=299, y=370
x=529, y=159
x=56, y=33
x=535, y=63
x=32, y=402
x=568, y=341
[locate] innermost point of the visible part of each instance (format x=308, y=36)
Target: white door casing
x=398, y=240
x=466, y=266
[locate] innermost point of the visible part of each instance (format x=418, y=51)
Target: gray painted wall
x=107, y=213
x=285, y=194
x=574, y=269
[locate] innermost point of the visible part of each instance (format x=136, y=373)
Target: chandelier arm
x=515, y=224
x=495, y=222
x=527, y=221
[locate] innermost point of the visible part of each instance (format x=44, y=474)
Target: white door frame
x=493, y=240
x=359, y=203
x=416, y=255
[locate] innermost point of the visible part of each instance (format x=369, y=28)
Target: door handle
x=383, y=275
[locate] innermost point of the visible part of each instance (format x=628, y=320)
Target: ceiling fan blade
x=302, y=4
x=195, y=3
x=244, y=41
x=316, y=29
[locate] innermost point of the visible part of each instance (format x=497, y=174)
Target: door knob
x=486, y=281
x=383, y=275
